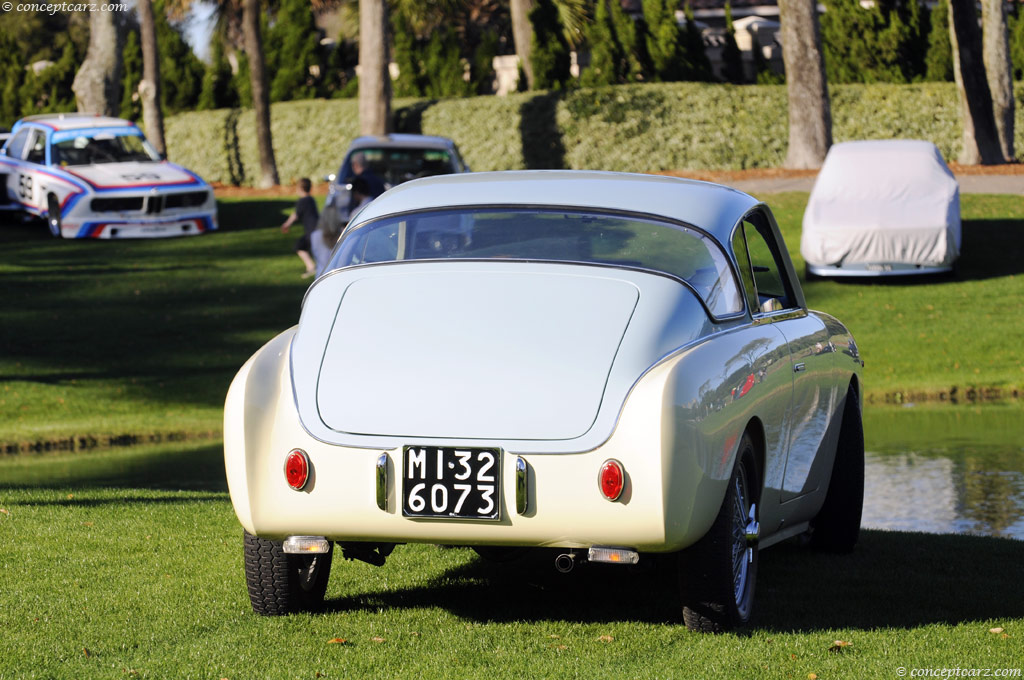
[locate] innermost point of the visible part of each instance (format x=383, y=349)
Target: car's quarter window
x=36, y=149
x=16, y=147
x=766, y=269
x=562, y=235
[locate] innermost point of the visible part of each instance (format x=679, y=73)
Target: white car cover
x=883, y=202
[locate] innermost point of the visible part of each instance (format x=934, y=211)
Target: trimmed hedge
x=639, y=128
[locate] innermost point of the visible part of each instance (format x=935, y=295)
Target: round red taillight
x=612, y=479
x=296, y=469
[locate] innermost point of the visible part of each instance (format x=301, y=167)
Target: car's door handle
x=799, y=367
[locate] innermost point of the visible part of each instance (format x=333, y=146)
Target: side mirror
x=771, y=305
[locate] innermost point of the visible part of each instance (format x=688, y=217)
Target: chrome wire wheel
x=742, y=551
x=717, y=574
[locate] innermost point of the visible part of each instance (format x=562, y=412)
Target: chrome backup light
x=304, y=545
x=612, y=555
x=296, y=469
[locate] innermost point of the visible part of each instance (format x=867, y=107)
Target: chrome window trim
x=667, y=221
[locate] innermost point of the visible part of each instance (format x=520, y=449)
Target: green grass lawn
x=140, y=339
x=127, y=563
x=935, y=335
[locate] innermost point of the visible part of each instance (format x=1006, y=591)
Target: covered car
x=885, y=207
x=607, y=366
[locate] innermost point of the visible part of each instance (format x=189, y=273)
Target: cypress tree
x=732, y=58
x=181, y=72
x=549, y=52
x=443, y=65
x=218, y=90
x=294, y=41
x=131, y=107
x=410, y=82
x=606, y=53
x=939, y=60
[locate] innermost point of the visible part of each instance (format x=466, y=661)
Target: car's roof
x=75, y=121
x=712, y=207
x=402, y=140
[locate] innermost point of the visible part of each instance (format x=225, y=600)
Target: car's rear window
x=395, y=165
x=549, y=235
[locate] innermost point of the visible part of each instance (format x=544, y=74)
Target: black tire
x=718, y=573
x=280, y=583
x=837, y=526
x=53, y=220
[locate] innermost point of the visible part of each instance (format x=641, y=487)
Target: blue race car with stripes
x=91, y=176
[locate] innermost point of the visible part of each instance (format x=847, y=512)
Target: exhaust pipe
x=565, y=562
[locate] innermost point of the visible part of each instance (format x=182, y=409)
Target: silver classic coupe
x=605, y=365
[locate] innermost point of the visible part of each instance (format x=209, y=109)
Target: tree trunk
x=996, y=57
x=810, y=111
x=374, y=76
x=980, y=144
x=149, y=86
x=98, y=81
x=260, y=92
x=522, y=35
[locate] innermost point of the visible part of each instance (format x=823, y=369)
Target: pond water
x=958, y=470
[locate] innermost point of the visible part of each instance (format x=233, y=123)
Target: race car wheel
x=717, y=574
x=837, y=526
x=280, y=583
x=53, y=215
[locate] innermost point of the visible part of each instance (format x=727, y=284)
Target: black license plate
x=448, y=482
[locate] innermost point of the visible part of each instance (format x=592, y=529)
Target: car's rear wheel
x=53, y=220
x=837, y=526
x=717, y=574
x=280, y=583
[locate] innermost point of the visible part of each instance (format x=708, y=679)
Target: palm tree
x=374, y=77
x=149, y=86
x=810, y=111
x=980, y=137
x=98, y=79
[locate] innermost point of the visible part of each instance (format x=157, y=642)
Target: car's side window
x=16, y=147
x=36, y=148
x=773, y=292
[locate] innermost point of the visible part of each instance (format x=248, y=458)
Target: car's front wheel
x=280, y=583
x=53, y=220
x=717, y=574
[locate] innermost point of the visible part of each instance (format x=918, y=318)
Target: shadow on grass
x=990, y=249
x=169, y=467
x=892, y=580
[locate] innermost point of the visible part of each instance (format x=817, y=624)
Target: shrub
x=636, y=127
